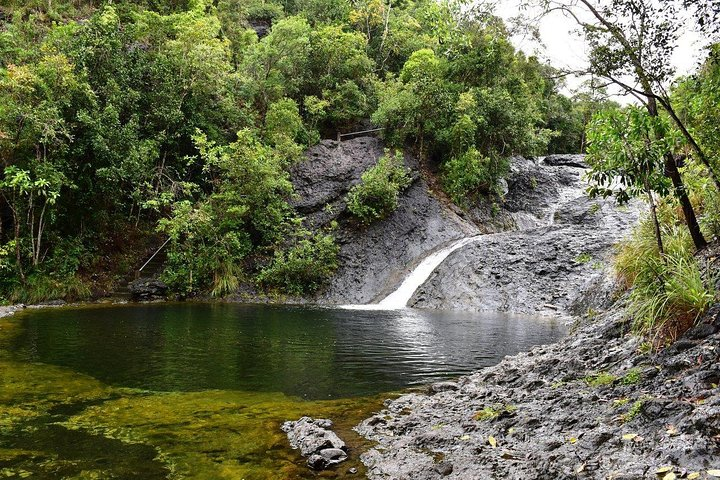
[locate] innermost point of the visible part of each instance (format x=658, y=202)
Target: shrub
x=670, y=291
x=302, y=268
x=41, y=287
x=472, y=173
x=377, y=195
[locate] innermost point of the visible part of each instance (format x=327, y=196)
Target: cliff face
x=373, y=259
x=551, y=256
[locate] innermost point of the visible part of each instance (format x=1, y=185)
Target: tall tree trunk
x=18, y=253
x=672, y=172
x=691, y=140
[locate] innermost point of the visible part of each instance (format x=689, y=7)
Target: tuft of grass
x=583, y=258
x=493, y=412
x=41, y=287
x=668, y=292
x=620, y=402
x=600, y=379
x=632, y=377
x=634, y=410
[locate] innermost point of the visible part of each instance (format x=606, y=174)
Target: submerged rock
x=313, y=437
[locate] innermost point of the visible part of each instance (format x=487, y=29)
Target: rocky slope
x=373, y=259
x=591, y=406
x=555, y=267
x=538, y=267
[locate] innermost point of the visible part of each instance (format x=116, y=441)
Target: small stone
x=317, y=462
x=444, y=468
x=352, y=471
x=443, y=387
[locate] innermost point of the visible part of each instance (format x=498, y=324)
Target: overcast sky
x=564, y=47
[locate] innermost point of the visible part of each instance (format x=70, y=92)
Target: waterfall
x=400, y=297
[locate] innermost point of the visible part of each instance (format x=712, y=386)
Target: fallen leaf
x=572, y=440
x=492, y=441
x=669, y=476
x=714, y=473
x=465, y=437
x=660, y=470
x=693, y=475
x=629, y=436
x=580, y=468
x=671, y=430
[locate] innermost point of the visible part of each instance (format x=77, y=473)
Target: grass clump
x=600, y=379
x=583, y=258
x=43, y=287
x=494, y=411
x=377, y=195
x=669, y=291
x=634, y=410
x=632, y=377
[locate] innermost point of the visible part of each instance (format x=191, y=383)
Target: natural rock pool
x=199, y=390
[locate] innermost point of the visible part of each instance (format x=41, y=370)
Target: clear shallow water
x=313, y=353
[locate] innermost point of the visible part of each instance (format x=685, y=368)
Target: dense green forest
x=125, y=123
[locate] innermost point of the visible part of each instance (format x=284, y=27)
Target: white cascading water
x=400, y=297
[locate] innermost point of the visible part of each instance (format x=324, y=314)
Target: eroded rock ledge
x=591, y=406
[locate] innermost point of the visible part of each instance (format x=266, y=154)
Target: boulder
x=313, y=437
x=566, y=160
x=146, y=289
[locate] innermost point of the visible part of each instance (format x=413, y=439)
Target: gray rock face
x=554, y=259
x=552, y=421
x=566, y=160
x=373, y=259
x=313, y=437
x=146, y=289
x=549, y=268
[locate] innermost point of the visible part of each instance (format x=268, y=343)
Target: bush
x=302, y=268
x=377, y=196
x=669, y=292
x=43, y=287
x=472, y=173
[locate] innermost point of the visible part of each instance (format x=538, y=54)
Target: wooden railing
x=340, y=136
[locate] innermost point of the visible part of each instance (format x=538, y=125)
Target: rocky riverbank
x=596, y=405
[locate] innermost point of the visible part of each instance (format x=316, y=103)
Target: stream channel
x=199, y=390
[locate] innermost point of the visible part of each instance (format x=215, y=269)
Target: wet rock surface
x=373, y=259
x=560, y=267
x=316, y=442
x=147, y=289
x=591, y=406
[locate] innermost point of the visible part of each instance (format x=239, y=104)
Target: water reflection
x=308, y=352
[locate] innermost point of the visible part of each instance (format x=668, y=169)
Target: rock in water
x=144, y=289
x=313, y=437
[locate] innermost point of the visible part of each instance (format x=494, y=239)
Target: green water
x=200, y=390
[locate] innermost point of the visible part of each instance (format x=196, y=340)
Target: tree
x=627, y=158
x=635, y=38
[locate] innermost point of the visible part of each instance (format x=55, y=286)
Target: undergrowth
x=669, y=291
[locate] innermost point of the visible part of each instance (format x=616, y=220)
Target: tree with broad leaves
x=631, y=43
